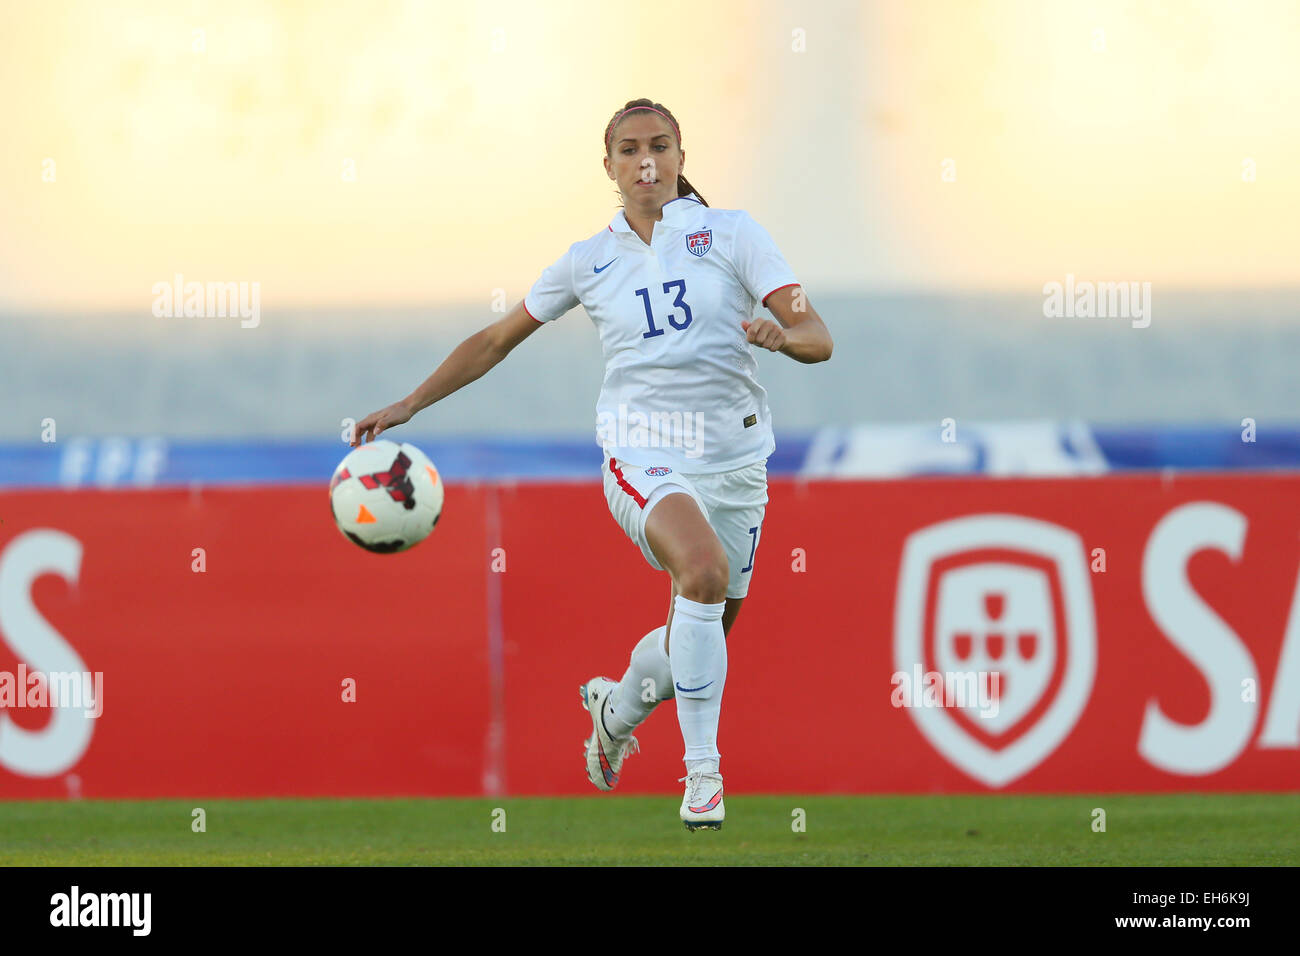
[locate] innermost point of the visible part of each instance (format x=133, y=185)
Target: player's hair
x=684, y=187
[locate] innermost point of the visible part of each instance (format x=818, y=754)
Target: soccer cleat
x=702, y=804
x=604, y=752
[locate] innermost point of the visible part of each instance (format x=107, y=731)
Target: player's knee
x=704, y=579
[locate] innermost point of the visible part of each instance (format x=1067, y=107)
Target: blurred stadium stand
x=139, y=399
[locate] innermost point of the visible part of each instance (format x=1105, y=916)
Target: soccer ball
x=386, y=497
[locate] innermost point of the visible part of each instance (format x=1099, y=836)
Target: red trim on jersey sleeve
x=623, y=483
x=530, y=315
x=778, y=289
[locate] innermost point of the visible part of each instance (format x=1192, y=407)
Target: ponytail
x=684, y=188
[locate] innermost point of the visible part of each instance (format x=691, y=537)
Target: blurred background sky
x=475, y=131
x=1113, y=140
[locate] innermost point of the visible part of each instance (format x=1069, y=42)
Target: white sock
x=698, y=655
x=648, y=676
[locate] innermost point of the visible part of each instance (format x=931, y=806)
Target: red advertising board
x=1120, y=634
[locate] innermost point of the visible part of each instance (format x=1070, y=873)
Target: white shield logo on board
x=1005, y=595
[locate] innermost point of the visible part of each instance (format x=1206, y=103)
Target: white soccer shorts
x=732, y=501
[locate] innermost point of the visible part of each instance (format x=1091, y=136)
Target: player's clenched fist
x=765, y=333
x=374, y=423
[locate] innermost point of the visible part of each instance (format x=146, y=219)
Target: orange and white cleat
x=603, y=751
x=702, y=807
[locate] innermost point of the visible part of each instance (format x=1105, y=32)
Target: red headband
x=610, y=132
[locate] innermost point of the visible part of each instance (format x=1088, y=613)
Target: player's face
x=644, y=161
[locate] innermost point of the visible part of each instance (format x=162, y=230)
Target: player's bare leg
x=624, y=705
x=686, y=545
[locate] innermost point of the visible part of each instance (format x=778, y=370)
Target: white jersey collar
x=676, y=212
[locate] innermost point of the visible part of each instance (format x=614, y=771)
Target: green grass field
x=1195, y=830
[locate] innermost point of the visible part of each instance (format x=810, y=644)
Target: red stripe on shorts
x=622, y=483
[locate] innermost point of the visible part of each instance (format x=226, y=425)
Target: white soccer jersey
x=681, y=387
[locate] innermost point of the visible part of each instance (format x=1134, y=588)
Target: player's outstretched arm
x=801, y=334
x=470, y=360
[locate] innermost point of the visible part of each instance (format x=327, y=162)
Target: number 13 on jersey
x=678, y=303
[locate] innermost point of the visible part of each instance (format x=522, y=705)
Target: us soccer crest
x=698, y=243
x=1005, y=600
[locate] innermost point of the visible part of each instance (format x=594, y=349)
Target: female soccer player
x=671, y=286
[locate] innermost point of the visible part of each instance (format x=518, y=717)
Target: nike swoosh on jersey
x=600, y=269
x=688, y=690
